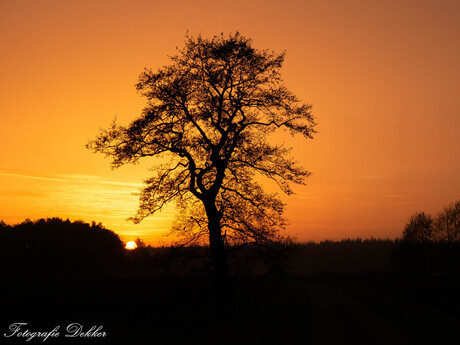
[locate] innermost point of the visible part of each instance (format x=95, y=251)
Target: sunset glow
x=383, y=79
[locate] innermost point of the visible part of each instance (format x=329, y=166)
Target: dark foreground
x=332, y=309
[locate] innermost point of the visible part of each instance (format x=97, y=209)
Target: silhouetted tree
x=139, y=243
x=212, y=110
x=447, y=223
x=430, y=246
x=419, y=228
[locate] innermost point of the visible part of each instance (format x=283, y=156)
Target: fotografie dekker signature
x=73, y=330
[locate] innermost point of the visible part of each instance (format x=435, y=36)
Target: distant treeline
x=56, y=247
x=345, y=256
x=350, y=256
x=422, y=227
x=387, y=256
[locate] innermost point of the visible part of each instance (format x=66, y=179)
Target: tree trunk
x=224, y=297
x=216, y=243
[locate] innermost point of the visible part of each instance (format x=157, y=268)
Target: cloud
x=77, y=179
x=393, y=195
x=26, y=174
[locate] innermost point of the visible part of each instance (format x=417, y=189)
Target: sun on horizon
x=131, y=245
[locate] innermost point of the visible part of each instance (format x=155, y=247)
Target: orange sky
x=383, y=77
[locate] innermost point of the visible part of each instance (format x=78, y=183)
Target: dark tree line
x=444, y=227
x=55, y=247
x=430, y=245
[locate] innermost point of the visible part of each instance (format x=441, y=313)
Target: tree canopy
x=444, y=227
x=447, y=223
x=212, y=110
x=419, y=228
x=60, y=246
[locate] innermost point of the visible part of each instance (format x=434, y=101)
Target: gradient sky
x=383, y=77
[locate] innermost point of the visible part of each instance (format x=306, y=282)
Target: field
x=322, y=298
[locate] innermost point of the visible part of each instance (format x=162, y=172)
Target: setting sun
x=131, y=245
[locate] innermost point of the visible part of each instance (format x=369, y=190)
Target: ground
x=325, y=309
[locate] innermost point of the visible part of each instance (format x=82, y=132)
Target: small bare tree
x=447, y=223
